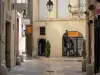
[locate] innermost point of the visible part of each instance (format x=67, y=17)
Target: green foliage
x=84, y=49
x=47, y=49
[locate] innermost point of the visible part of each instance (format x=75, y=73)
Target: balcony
x=20, y=5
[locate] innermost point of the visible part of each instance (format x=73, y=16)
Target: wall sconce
x=75, y=10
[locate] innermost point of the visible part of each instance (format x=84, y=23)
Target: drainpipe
x=0, y=36
x=0, y=31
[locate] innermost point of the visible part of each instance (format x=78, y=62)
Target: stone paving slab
x=61, y=58
x=40, y=67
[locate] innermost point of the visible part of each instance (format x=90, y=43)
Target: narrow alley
x=61, y=37
x=41, y=67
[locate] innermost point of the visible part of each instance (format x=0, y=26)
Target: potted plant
x=84, y=56
x=47, y=49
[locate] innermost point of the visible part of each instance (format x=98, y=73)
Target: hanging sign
x=29, y=29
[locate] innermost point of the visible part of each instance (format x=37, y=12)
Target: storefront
x=72, y=44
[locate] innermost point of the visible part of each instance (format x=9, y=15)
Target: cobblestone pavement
x=41, y=67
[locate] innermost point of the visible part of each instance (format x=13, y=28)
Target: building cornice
x=49, y=20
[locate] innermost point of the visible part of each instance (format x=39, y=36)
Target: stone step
x=61, y=59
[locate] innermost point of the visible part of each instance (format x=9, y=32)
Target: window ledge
x=71, y=19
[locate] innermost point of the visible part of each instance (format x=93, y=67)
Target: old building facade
x=10, y=23
x=53, y=25
x=7, y=34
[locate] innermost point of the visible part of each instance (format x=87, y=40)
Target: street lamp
x=49, y=5
x=77, y=8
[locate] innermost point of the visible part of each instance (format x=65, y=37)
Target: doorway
x=41, y=47
x=97, y=46
x=8, y=44
x=72, y=45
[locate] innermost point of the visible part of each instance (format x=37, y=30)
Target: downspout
x=0, y=35
x=1, y=23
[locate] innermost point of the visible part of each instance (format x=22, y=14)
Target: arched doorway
x=41, y=47
x=72, y=44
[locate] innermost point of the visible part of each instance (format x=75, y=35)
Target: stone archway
x=72, y=44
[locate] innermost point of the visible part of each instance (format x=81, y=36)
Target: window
x=62, y=8
x=42, y=30
x=82, y=8
x=22, y=1
x=8, y=3
x=43, y=13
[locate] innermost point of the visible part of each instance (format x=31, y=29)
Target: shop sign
x=29, y=29
x=73, y=34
